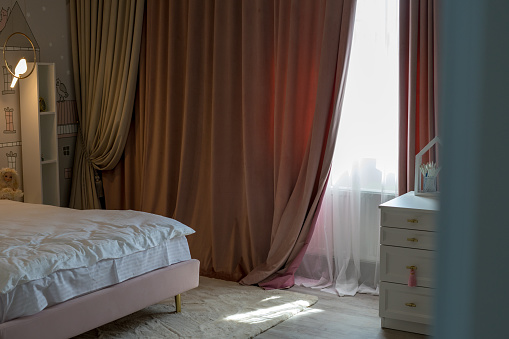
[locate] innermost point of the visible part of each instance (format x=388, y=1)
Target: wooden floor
x=336, y=317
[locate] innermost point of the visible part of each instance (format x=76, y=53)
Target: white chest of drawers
x=407, y=238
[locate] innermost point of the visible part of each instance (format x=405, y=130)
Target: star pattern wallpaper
x=46, y=24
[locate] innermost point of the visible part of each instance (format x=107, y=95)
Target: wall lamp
x=21, y=67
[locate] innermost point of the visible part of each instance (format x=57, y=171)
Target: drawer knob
x=412, y=267
x=410, y=305
x=413, y=221
x=412, y=239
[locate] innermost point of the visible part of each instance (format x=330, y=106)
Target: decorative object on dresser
x=426, y=175
x=407, y=235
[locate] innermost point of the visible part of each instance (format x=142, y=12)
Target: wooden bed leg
x=177, y=303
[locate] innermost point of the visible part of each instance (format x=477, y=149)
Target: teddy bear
x=9, y=185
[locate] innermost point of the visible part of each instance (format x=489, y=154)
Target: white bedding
x=37, y=240
x=34, y=296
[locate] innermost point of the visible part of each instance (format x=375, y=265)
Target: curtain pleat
x=297, y=202
x=106, y=38
x=235, y=112
x=417, y=112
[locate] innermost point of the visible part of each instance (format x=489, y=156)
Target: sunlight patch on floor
x=308, y=311
x=266, y=314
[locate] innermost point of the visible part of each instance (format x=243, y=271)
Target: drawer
x=410, y=219
x=406, y=303
x=395, y=260
x=407, y=238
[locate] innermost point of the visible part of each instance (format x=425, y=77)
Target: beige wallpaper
x=47, y=25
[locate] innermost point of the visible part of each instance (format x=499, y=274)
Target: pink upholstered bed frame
x=87, y=312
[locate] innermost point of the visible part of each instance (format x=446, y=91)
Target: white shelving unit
x=39, y=136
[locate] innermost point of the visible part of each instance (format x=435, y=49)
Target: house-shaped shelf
x=427, y=178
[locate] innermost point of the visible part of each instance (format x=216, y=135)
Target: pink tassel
x=412, y=280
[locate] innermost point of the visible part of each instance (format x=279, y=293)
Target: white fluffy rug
x=215, y=309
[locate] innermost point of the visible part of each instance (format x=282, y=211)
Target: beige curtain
x=106, y=38
x=234, y=124
x=418, y=122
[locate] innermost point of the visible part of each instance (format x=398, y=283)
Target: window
x=7, y=81
x=342, y=256
x=9, y=120
x=11, y=159
x=368, y=129
x=68, y=173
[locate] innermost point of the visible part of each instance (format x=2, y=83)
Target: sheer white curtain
x=343, y=255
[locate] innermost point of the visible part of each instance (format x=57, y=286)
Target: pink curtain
x=418, y=101
x=235, y=120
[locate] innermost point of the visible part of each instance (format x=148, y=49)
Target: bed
x=64, y=272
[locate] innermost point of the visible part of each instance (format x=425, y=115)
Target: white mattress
x=38, y=240
x=32, y=297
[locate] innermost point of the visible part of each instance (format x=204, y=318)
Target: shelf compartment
x=50, y=187
x=48, y=129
